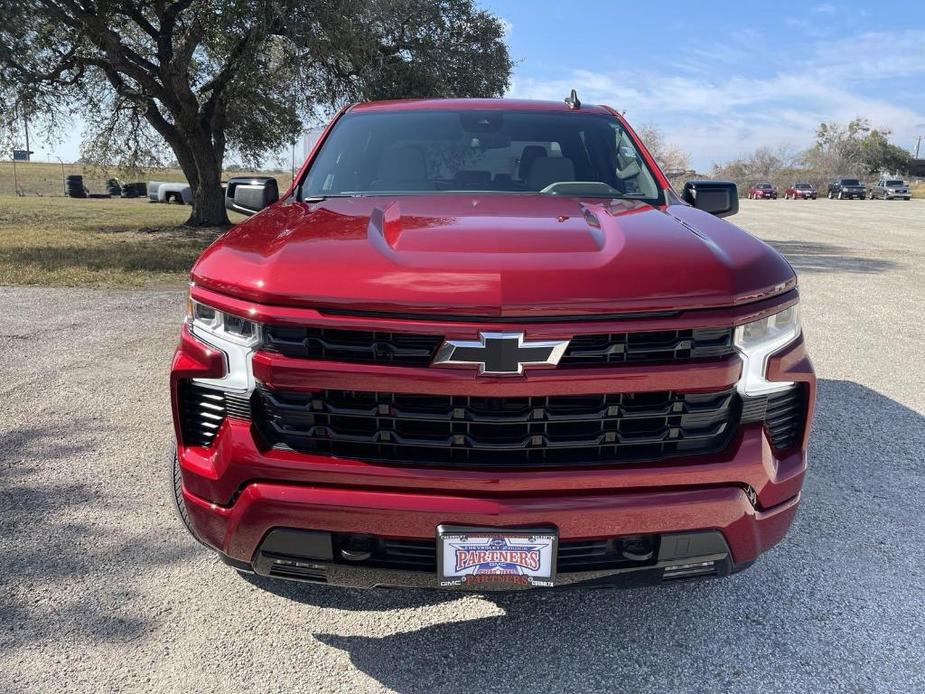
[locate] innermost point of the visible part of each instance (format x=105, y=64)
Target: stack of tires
x=74, y=186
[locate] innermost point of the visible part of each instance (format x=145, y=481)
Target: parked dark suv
x=845, y=188
x=890, y=189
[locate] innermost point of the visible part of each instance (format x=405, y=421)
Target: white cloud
x=872, y=55
x=717, y=119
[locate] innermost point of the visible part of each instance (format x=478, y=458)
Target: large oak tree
x=208, y=76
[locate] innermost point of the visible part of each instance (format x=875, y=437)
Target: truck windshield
x=894, y=182
x=484, y=151
x=850, y=182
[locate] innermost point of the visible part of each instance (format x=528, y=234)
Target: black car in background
x=844, y=188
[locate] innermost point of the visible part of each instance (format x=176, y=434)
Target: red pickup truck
x=485, y=344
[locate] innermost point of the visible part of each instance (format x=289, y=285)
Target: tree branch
x=67, y=61
x=119, y=54
x=227, y=71
x=127, y=9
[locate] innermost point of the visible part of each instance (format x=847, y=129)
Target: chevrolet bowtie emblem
x=501, y=353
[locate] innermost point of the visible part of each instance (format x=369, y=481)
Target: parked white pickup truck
x=162, y=191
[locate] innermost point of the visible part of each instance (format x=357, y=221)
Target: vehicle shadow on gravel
x=330, y=597
x=840, y=589
x=812, y=256
x=55, y=549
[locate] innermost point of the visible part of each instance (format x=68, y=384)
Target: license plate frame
x=531, y=555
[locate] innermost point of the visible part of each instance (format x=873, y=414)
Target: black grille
x=784, y=415
x=203, y=409
x=492, y=431
x=353, y=346
x=662, y=345
x=574, y=555
x=406, y=349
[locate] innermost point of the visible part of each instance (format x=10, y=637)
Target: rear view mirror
x=248, y=195
x=720, y=198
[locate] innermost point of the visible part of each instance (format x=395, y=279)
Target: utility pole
x=63, y=176
x=918, y=143
x=25, y=120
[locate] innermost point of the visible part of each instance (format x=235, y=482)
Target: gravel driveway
x=101, y=590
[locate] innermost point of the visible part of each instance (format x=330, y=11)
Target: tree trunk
x=203, y=170
x=208, y=204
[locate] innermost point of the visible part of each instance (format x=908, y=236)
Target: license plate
x=490, y=558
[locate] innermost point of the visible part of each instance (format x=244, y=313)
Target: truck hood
x=490, y=255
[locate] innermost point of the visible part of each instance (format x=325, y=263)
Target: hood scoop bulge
x=385, y=225
x=474, y=230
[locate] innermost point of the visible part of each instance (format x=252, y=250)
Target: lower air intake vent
x=421, y=555
x=786, y=417
x=203, y=409
x=294, y=569
x=783, y=413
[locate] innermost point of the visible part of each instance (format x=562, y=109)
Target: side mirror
x=249, y=195
x=716, y=197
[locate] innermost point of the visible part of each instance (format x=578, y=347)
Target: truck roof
x=475, y=104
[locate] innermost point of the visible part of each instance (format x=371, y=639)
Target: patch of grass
x=917, y=190
x=97, y=243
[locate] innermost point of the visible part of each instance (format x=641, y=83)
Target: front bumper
x=748, y=494
x=239, y=530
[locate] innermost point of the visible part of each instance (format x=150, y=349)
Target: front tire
x=830, y=195
x=176, y=494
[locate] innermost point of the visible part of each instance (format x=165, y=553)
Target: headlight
x=758, y=340
x=233, y=335
x=206, y=320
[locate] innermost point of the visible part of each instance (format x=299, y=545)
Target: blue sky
x=719, y=79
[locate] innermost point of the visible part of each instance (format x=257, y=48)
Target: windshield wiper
x=322, y=198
